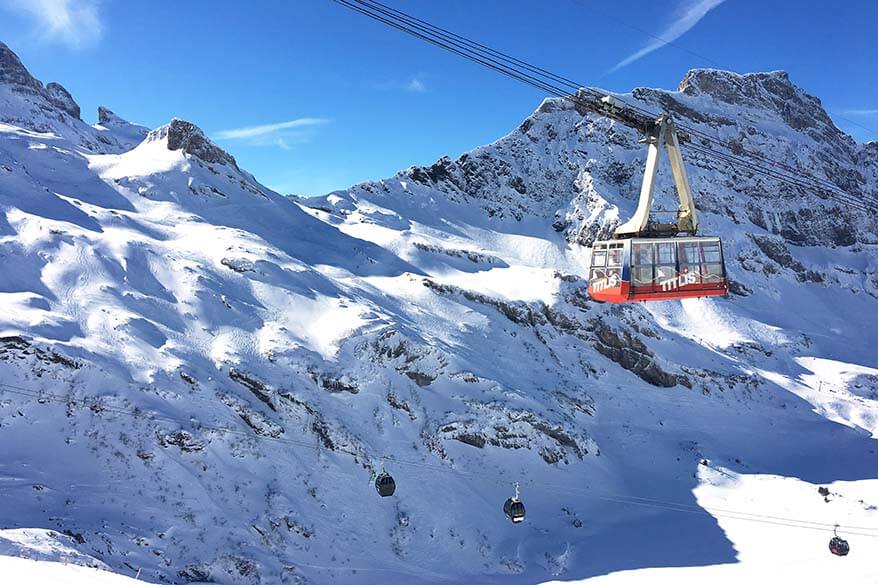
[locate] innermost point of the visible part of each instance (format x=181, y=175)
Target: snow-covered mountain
x=200, y=376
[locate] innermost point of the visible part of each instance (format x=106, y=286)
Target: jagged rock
x=195, y=574
x=240, y=265
x=60, y=96
x=421, y=365
x=400, y=404
x=107, y=117
x=260, y=390
x=632, y=354
x=186, y=136
x=183, y=440
x=332, y=384
x=14, y=73
x=779, y=253
x=17, y=347
x=517, y=312
x=773, y=91
x=257, y=421
x=471, y=255
x=498, y=425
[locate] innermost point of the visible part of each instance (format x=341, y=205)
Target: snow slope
x=199, y=376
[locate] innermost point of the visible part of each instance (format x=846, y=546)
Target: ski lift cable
x=573, y=86
x=619, y=498
x=491, y=58
x=455, y=48
x=713, y=510
x=406, y=19
x=840, y=197
x=390, y=11
x=543, y=85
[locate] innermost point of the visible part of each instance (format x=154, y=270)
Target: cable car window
x=711, y=252
x=690, y=262
x=663, y=273
x=615, y=257
x=641, y=275
x=689, y=253
x=666, y=253
x=642, y=254
x=597, y=274
x=712, y=272
x=599, y=258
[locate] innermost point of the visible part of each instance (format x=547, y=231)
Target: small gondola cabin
x=655, y=269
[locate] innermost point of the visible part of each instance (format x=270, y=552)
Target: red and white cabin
x=657, y=269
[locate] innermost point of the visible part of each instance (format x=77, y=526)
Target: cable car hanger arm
x=664, y=135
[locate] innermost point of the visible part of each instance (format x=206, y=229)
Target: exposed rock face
x=772, y=91
x=14, y=73
x=631, y=353
x=62, y=97
x=186, y=136
x=26, y=103
x=126, y=133
x=779, y=253
x=108, y=117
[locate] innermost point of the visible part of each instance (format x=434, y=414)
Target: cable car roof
x=660, y=240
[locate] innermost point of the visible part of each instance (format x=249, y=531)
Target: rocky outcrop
x=422, y=365
x=497, y=425
x=771, y=91
x=775, y=250
x=631, y=353
x=14, y=74
x=62, y=98
x=186, y=136
x=107, y=117
x=183, y=440
x=16, y=348
x=806, y=226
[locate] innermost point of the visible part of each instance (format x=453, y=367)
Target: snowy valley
x=200, y=377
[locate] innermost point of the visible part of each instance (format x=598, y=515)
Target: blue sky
x=311, y=97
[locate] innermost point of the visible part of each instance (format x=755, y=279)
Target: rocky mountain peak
x=106, y=117
x=186, y=136
x=14, y=73
x=59, y=95
x=772, y=91
x=730, y=86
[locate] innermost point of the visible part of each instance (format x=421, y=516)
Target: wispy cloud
x=414, y=84
x=75, y=23
x=860, y=112
x=690, y=13
x=267, y=129
x=282, y=135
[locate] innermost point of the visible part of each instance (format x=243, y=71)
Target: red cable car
x=657, y=269
x=650, y=261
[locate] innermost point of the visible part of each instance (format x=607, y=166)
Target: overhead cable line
x=866, y=531
x=562, y=87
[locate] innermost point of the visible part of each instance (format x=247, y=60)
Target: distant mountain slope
x=199, y=377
